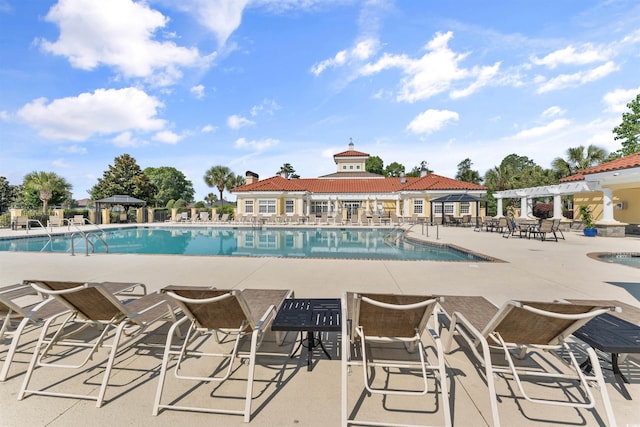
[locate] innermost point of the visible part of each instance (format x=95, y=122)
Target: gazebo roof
x=121, y=200
x=458, y=198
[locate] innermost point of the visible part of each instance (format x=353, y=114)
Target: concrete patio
x=532, y=270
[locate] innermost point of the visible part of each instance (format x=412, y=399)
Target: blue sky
x=253, y=84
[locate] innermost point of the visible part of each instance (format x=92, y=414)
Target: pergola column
x=499, y=213
x=398, y=201
x=524, y=207
x=607, y=206
x=557, y=206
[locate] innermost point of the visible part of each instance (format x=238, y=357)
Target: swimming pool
x=631, y=259
x=252, y=242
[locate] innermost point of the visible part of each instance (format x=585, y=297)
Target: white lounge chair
x=385, y=319
x=527, y=328
x=246, y=313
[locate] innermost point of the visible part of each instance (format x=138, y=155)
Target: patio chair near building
x=541, y=231
x=388, y=321
x=518, y=331
x=209, y=311
x=89, y=305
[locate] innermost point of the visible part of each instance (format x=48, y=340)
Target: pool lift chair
x=91, y=305
x=232, y=313
x=387, y=320
x=520, y=329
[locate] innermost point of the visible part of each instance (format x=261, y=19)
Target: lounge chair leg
x=12, y=349
x=252, y=366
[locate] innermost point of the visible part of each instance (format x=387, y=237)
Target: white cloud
x=104, y=111
x=221, y=17
x=167, y=137
x=236, y=122
x=60, y=163
x=362, y=51
x=73, y=149
x=572, y=80
x=586, y=54
x=484, y=76
x=197, y=91
x=540, y=131
x=257, y=145
x=431, y=121
x=617, y=100
x=268, y=106
x=552, y=112
x=119, y=34
x=434, y=72
x=4, y=116
x=208, y=128
x=126, y=139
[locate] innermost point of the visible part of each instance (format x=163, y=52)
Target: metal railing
x=86, y=236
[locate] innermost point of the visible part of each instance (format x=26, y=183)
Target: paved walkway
x=531, y=270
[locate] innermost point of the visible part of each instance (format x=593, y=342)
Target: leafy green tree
x=171, y=184
x=220, y=177
x=124, y=177
x=628, y=132
x=466, y=174
x=288, y=171
x=375, y=165
x=170, y=204
x=8, y=194
x=578, y=159
x=180, y=203
x=417, y=170
x=394, y=169
x=49, y=187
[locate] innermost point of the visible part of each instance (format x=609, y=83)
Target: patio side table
x=309, y=315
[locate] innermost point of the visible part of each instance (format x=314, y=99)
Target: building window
x=319, y=207
x=449, y=208
x=289, y=206
x=344, y=167
x=267, y=206
x=418, y=206
x=465, y=208
x=357, y=166
x=350, y=166
x=248, y=206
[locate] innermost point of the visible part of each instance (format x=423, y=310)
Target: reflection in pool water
x=631, y=259
x=344, y=243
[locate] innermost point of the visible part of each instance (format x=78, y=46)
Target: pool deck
x=532, y=270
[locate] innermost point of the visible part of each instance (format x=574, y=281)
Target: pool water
x=287, y=243
x=630, y=259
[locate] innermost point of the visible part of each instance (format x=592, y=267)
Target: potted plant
x=587, y=219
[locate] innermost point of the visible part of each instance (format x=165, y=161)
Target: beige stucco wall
x=630, y=196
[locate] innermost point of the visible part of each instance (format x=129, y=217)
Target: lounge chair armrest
x=397, y=306
x=577, y=316
x=201, y=300
x=264, y=321
x=61, y=292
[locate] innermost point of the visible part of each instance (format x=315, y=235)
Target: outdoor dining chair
x=517, y=331
x=91, y=305
x=388, y=320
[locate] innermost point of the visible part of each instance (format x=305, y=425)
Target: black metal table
x=611, y=334
x=309, y=315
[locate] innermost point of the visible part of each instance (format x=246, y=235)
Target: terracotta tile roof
x=373, y=185
x=351, y=153
x=632, y=161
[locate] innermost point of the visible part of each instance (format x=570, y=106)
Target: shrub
x=543, y=210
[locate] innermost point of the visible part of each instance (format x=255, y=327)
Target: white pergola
x=601, y=181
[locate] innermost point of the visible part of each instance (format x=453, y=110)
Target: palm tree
x=220, y=177
x=237, y=182
x=211, y=199
x=577, y=160
x=46, y=183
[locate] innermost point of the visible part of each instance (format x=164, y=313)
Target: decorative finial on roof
x=350, y=143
